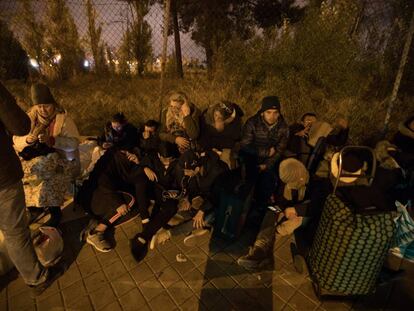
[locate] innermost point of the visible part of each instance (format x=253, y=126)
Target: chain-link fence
x=306, y=51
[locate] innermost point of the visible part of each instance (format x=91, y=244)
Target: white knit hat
x=293, y=172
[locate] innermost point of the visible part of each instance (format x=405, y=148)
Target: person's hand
x=44, y=139
x=185, y=109
x=290, y=213
x=150, y=174
x=191, y=173
x=262, y=167
x=107, y=145
x=184, y=204
x=123, y=210
x=30, y=139
x=182, y=142
x=272, y=152
x=217, y=151
x=342, y=123
x=131, y=157
x=198, y=220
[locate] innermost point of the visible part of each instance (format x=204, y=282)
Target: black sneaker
x=139, y=247
x=256, y=258
x=53, y=273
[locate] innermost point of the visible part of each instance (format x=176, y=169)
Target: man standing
x=13, y=221
x=263, y=143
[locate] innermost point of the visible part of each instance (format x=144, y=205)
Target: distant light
x=86, y=63
x=34, y=63
x=57, y=58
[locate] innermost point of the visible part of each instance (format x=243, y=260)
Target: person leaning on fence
x=289, y=195
x=13, y=222
x=180, y=122
x=48, y=174
x=220, y=130
x=263, y=144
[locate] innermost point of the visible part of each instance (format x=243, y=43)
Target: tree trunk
x=179, y=60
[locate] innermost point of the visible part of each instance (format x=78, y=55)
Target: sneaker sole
x=97, y=248
x=250, y=265
x=191, y=240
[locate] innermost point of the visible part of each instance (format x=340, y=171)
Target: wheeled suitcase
x=349, y=247
x=233, y=198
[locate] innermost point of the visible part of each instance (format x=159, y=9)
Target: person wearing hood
x=220, y=129
x=47, y=176
x=13, y=223
x=263, y=145
x=180, y=122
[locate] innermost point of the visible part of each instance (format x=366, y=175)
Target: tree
x=213, y=23
x=270, y=13
x=13, y=59
x=94, y=34
x=62, y=40
x=31, y=31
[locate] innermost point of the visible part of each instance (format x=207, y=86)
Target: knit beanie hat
x=270, y=102
x=41, y=94
x=293, y=172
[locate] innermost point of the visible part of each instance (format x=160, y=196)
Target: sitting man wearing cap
x=263, y=143
x=287, y=216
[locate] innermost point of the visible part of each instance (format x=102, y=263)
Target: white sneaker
x=160, y=237
x=192, y=239
x=98, y=241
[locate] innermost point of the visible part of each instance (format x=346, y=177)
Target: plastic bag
x=48, y=245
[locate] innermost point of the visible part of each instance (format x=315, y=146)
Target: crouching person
x=283, y=218
x=49, y=153
x=13, y=223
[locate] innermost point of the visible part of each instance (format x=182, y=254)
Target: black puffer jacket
x=13, y=121
x=258, y=138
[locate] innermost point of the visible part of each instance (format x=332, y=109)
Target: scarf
x=39, y=123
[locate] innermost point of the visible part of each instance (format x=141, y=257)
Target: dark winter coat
x=404, y=140
x=13, y=121
x=148, y=146
x=167, y=178
x=211, y=138
x=258, y=138
x=127, y=139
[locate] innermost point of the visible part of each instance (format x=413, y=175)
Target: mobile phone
x=275, y=208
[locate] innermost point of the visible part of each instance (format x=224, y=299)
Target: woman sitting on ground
x=50, y=153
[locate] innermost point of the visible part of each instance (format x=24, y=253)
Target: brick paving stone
x=106, y=259
x=171, y=253
x=301, y=302
x=119, y=235
x=123, y=284
x=85, y=253
x=52, y=289
x=21, y=301
x=157, y=263
x=162, y=302
x=194, y=280
x=81, y=304
x=289, y=274
x=53, y=302
x=132, y=301
x=141, y=273
x=16, y=287
x=210, y=295
x=307, y=289
x=236, y=272
x=114, y=306
x=73, y=293
x=70, y=276
x=168, y=276
x=284, y=253
x=122, y=248
x=239, y=298
x=213, y=271
x=102, y=297
x=288, y=308
x=130, y=232
x=197, y=256
x=95, y=281
x=151, y=288
x=334, y=305
x=89, y=267
x=115, y=270
x=183, y=267
x=282, y=288
x=180, y=292
x=3, y=298
x=129, y=261
x=192, y=304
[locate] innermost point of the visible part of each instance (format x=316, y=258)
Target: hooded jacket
x=258, y=138
x=13, y=121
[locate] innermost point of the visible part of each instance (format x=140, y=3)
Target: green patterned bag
x=349, y=249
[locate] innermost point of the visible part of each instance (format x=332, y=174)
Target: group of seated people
x=167, y=170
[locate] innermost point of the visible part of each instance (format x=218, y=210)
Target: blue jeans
x=14, y=225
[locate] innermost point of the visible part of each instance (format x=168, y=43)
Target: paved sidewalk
x=209, y=279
